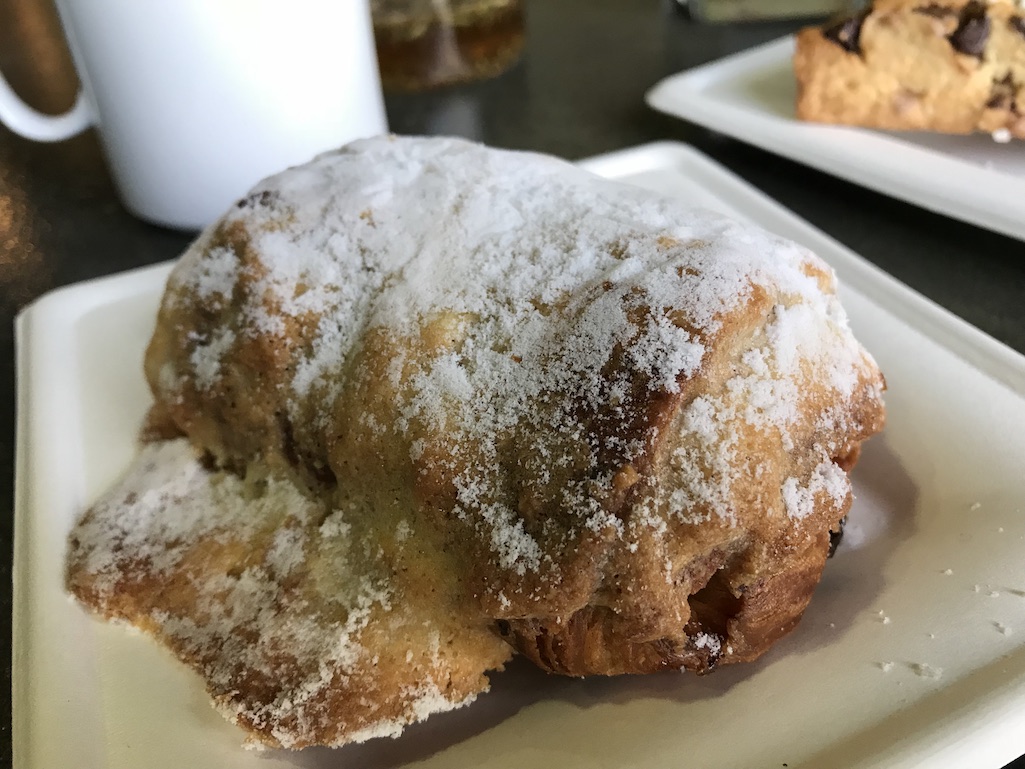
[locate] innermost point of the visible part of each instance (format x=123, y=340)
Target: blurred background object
x=194, y=102
x=754, y=10
x=424, y=44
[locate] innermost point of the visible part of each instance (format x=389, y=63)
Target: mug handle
x=27, y=122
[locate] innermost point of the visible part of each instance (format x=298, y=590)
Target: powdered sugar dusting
x=450, y=385
x=710, y=642
x=206, y=358
x=765, y=393
x=564, y=299
x=827, y=479
x=210, y=514
x=214, y=280
x=246, y=543
x=426, y=700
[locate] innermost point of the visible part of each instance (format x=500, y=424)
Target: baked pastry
x=953, y=66
x=420, y=403
x=291, y=611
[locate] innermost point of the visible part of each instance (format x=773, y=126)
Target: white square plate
x=911, y=654
x=750, y=96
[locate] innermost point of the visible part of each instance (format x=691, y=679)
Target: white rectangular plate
x=750, y=96
x=912, y=653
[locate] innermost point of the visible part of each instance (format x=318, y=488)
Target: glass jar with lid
x=428, y=43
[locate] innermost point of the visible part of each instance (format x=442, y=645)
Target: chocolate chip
x=936, y=11
x=835, y=537
x=208, y=461
x=846, y=33
x=324, y=474
x=972, y=30
x=1002, y=93
x=289, y=447
x=1018, y=25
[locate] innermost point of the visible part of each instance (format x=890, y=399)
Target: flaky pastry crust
x=420, y=403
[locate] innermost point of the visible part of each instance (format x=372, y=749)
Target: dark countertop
x=577, y=92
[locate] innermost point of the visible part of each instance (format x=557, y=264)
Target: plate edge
x=697, y=80
x=31, y=315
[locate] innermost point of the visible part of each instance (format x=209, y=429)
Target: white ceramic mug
x=197, y=100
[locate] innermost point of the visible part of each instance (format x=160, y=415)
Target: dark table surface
x=577, y=92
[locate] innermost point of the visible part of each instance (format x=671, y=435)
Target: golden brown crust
x=738, y=586
x=309, y=644
x=600, y=425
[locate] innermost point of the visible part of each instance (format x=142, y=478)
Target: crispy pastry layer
x=436, y=398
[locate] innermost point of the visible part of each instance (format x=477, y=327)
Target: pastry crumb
x=923, y=670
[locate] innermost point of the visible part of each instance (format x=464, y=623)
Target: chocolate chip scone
x=435, y=403
x=937, y=65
